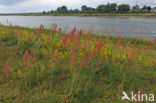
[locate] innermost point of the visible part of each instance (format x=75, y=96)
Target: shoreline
x=146, y=15
x=130, y=37
x=113, y=37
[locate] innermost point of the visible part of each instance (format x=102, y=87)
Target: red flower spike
x=26, y=55
x=99, y=44
x=132, y=55
x=41, y=27
x=6, y=69
x=84, y=61
x=80, y=32
x=54, y=27
x=105, y=41
x=59, y=30
x=72, y=34
x=2, y=76
x=120, y=40
x=77, y=38
x=72, y=63
x=64, y=40
x=93, y=53
x=88, y=36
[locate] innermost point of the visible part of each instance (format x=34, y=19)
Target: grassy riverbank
x=104, y=15
x=47, y=66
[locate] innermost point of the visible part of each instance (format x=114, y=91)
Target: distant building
x=145, y=10
x=136, y=8
x=154, y=10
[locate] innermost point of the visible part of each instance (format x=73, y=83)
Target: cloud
x=10, y=2
x=11, y=6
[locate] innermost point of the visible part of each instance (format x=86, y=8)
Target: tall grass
x=47, y=66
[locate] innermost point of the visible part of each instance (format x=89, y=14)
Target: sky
x=25, y=6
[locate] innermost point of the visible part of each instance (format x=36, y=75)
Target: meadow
x=49, y=66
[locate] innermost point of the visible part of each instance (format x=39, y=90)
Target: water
x=127, y=26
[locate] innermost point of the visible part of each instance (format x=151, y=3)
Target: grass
x=94, y=14
x=48, y=66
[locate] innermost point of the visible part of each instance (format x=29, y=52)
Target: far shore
x=153, y=15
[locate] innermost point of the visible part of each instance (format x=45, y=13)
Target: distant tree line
x=108, y=8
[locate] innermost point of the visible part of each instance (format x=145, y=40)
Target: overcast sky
x=17, y=6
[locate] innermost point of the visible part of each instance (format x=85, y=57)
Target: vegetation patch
x=48, y=66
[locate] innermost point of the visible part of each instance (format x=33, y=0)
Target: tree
x=136, y=8
x=76, y=11
x=51, y=11
x=123, y=8
x=113, y=7
x=44, y=12
x=84, y=8
x=100, y=8
x=109, y=8
x=149, y=8
x=62, y=9
x=146, y=8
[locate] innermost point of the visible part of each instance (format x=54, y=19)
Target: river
x=127, y=26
